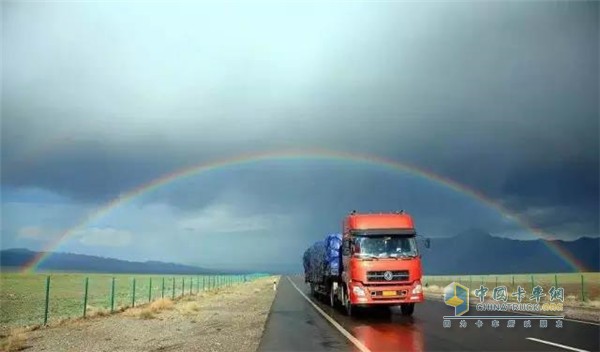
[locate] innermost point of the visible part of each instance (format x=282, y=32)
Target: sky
x=102, y=97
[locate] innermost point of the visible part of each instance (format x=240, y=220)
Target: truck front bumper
x=385, y=294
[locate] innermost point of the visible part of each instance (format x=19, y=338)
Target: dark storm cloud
x=559, y=196
x=501, y=97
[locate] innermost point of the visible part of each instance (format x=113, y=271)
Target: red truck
x=380, y=263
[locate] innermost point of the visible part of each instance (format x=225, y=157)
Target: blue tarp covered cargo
x=332, y=251
x=321, y=260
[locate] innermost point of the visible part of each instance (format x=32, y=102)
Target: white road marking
x=556, y=344
x=344, y=332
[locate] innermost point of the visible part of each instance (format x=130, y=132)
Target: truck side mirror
x=346, y=247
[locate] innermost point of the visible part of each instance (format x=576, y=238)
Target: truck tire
x=407, y=308
x=348, y=308
x=331, y=296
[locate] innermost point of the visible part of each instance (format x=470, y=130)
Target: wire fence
x=27, y=299
x=578, y=287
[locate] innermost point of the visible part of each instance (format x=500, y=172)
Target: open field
x=23, y=295
x=228, y=318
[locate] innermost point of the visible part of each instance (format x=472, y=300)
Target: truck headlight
x=359, y=291
x=418, y=289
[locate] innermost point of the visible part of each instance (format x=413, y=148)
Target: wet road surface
x=295, y=324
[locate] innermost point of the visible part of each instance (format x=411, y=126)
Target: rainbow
x=311, y=154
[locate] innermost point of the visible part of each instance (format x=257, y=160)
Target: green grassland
x=22, y=295
x=574, y=290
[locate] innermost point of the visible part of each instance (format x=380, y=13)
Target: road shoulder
x=226, y=319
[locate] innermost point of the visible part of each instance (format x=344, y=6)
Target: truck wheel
x=347, y=304
x=407, y=308
x=331, y=296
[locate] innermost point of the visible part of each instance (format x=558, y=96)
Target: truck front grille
x=397, y=275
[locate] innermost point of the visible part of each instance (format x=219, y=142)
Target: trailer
x=321, y=265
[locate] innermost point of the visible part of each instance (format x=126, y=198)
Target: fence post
x=203, y=282
x=198, y=284
x=532, y=283
x=47, y=299
x=470, y=282
x=191, y=284
x=173, y=293
x=162, y=292
x=112, y=295
x=513, y=280
x=555, y=280
x=496, y=281
x=150, y=291
x=133, y=295
x=183, y=286
x=582, y=290
x=85, y=296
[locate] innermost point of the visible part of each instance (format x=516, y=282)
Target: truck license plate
x=389, y=293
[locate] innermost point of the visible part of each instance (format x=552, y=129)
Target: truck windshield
x=385, y=246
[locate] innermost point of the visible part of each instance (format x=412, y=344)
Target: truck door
x=345, y=268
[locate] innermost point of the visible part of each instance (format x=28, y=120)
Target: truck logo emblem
x=388, y=275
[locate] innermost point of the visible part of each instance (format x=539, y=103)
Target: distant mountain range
x=87, y=263
x=471, y=252
x=477, y=252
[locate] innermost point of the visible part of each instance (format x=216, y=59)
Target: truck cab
x=380, y=262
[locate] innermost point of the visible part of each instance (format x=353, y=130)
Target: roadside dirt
x=227, y=319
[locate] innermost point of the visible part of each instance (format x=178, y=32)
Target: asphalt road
x=294, y=324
